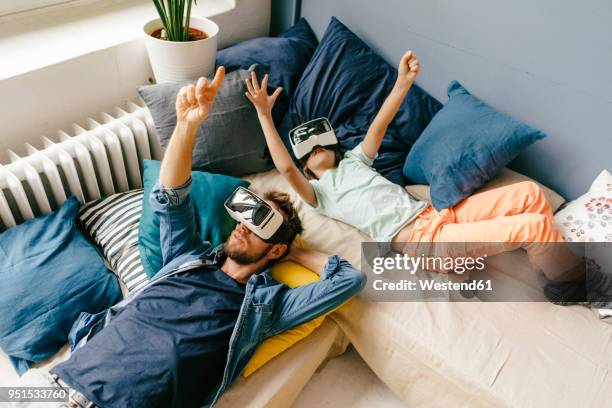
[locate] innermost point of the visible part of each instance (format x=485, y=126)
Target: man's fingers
x=249, y=97
x=200, y=86
x=249, y=86
x=264, y=83
x=179, y=94
x=254, y=81
x=219, y=75
x=183, y=100
x=191, y=98
x=277, y=92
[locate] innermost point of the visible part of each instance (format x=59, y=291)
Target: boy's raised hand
x=193, y=102
x=259, y=95
x=408, y=69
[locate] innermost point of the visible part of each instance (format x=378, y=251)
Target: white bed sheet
x=527, y=354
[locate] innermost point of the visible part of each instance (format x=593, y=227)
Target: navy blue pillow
x=347, y=82
x=466, y=144
x=283, y=58
x=50, y=274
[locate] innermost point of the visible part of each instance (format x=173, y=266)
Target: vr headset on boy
x=305, y=137
x=258, y=216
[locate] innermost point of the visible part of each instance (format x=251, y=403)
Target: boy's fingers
x=254, y=81
x=249, y=97
x=277, y=92
x=249, y=86
x=219, y=75
x=407, y=55
x=264, y=83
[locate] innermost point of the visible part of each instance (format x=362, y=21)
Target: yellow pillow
x=292, y=275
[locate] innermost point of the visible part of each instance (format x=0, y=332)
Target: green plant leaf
x=175, y=18
x=187, y=18
x=159, y=5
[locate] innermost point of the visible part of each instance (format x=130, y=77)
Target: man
x=185, y=337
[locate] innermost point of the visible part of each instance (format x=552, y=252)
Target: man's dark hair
x=337, y=157
x=284, y=204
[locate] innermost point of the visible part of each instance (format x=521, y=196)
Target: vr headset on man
x=258, y=216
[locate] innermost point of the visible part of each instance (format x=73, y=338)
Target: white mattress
x=528, y=354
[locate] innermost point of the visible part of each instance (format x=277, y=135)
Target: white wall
x=52, y=97
x=546, y=62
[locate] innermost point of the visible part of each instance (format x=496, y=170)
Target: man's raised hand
x=194, y=102
x=259, y=95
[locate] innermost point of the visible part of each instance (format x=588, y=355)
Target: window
x=8, y=7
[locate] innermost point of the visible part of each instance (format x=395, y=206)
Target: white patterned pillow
x=589, y=217
x=112, y=224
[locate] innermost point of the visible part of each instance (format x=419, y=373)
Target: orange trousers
x=498, y=220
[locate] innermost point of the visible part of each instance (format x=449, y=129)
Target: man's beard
x=241, y=256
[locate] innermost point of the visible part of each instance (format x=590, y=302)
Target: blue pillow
x=283, y=58
x=208, y=193
x=347, y=82
x=466, y=144
x=50, y=274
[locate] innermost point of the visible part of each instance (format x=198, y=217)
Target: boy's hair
x=337, y=157
x=290, y=214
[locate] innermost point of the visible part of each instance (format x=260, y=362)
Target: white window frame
x=8, y=7
x=22, y=8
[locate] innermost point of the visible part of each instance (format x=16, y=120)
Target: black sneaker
x=599, y=287
x=567, y=293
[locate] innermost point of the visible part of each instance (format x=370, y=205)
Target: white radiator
x=103, y=157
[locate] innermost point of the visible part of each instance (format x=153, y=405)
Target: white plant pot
x=175, y=61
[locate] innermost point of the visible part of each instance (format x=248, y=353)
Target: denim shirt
x=268, y=308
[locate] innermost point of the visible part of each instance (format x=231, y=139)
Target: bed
x=471, y=354
x=527, y=354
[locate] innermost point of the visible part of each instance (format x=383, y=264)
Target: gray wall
x=284, y=14
x=545, y=62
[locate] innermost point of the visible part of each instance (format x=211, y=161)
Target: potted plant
x=180, y=46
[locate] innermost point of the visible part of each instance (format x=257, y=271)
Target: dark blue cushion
x=283, y=57
x=208, y=193
x=347, y=82
x=466, y=144
x=50, y=274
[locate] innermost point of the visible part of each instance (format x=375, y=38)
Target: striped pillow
x=112, y=224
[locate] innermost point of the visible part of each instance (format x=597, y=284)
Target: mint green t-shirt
x=358, y=195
